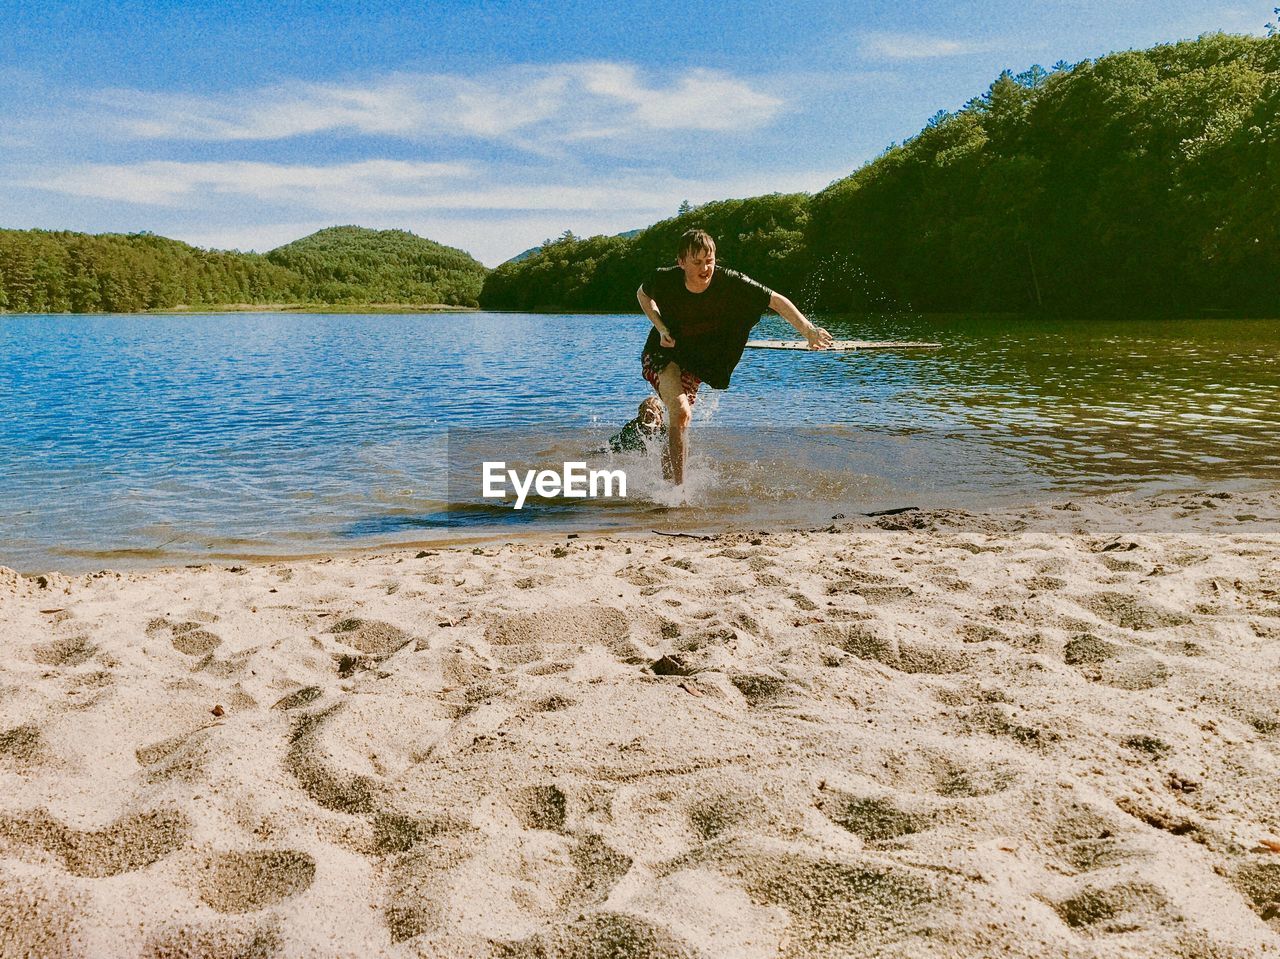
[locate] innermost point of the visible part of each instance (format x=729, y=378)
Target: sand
x=1051, y=731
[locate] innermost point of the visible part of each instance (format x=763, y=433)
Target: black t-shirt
x=710, y=328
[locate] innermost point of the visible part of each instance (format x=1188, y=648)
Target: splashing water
x=837, y=284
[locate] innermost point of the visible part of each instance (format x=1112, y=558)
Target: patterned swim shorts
x=688, y=382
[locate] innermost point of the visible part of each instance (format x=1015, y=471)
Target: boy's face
x=698, y=265
x=651, y=412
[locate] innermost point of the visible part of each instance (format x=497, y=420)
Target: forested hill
x=761, y=237
x=54, y=272
x=350, y=264
x=1145, y=181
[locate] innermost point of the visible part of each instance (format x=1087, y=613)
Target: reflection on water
x=142, y=439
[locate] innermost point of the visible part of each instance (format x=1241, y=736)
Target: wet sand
x=1051, y=731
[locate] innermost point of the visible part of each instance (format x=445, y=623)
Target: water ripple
x=262, y=432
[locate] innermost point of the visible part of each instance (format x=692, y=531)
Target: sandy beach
x=1052, y=731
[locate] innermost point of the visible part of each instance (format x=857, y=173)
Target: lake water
x=134, y=440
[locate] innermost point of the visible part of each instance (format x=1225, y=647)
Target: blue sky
x=493, y=125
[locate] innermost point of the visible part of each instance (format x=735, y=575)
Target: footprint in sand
x=298, y=698
x=1045, y=584
x=307, y=761
x=248, y=881
x=1259, y=883
x=23, y=743
x=130, y=843
x=999, y=719
x=599, y=867
x=216, y=942
x=760, y=689
x=836, y=908
x=1129, y=612
x=1135, y=672
x=717, y=815
x=188, y=637
x=552, y=704
x=69, y=651
x=803, y=602
x=871, y=818
x=194, y=640
x=982, y=633
x=180, y=757
x=1152, y=746
x=1113, y=664
x=396, y=833
x=370, y=636
x=233, y=665
x=603, y=934
x=560, y=875
x=1087, y=649
x=417, y=888
x=526, y=637
x=1124, y=907
x=1119, y=565
x=542, y=806
x=960, y=779
x=38, y=922
x=870, y=589
x=878, y=644
x=1086, y=840
x=471, y=696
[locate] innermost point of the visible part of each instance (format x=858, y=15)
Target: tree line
x=1143, y=181
x=761, y=236
x=45, y=271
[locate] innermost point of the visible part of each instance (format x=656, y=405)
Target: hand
x=667, y=343
x=819, y=339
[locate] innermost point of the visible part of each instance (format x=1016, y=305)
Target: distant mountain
x=761, y=236
x=1142, y=183
x=47, y=271
x=354, y=264
x=533, y=250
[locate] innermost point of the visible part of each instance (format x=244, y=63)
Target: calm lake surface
x=135, y=440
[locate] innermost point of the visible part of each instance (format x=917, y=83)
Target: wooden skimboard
x=842, y=345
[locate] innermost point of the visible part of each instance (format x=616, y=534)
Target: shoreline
x=1037, y=731
x=409, y=308
x=311, y=308
x=157, y=559
x=301, y=308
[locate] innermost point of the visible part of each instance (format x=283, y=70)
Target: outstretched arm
x=819, y=339
x=655, y=317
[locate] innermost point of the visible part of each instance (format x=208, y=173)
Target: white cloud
x=275, y=114
x=492, y=215
x=395, y=185
x=700, y=100
x=909, y=46
x=168, y=183
x=527, y=106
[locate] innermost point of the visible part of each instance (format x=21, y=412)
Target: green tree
x=16, y=265
x=762, y=236
x=1143, y=181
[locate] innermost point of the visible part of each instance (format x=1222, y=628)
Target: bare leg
x=679, y=416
